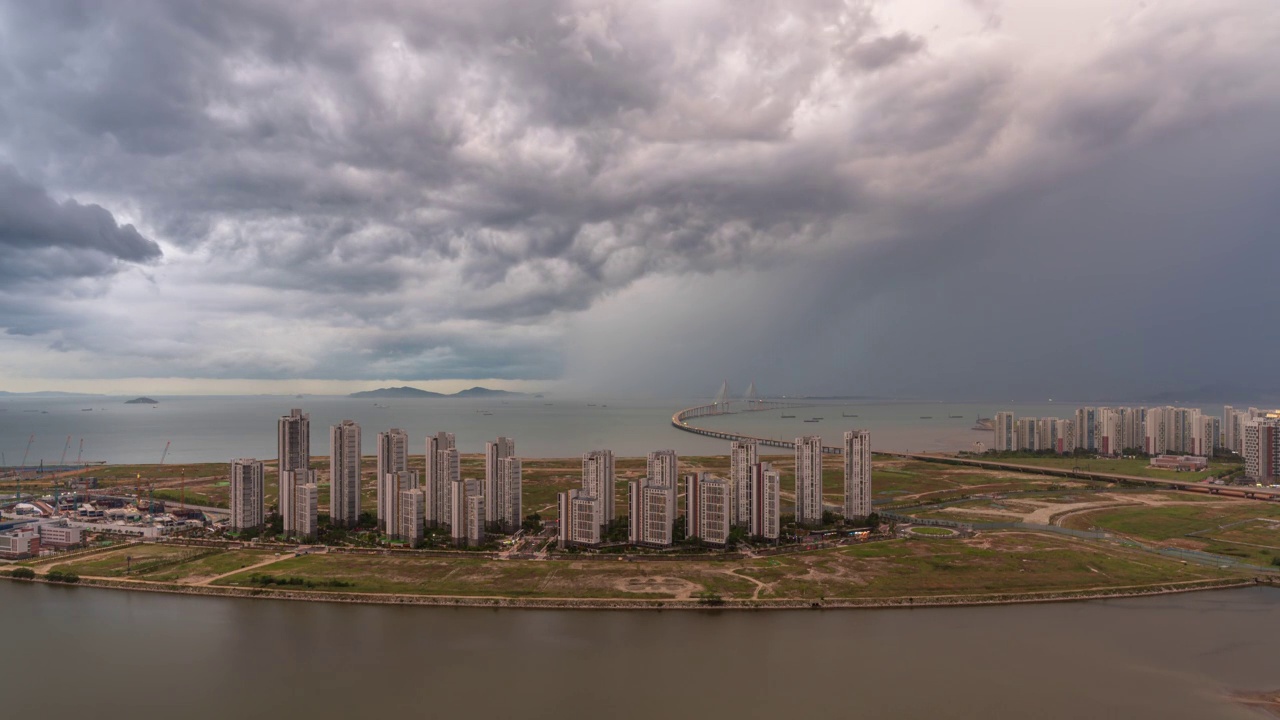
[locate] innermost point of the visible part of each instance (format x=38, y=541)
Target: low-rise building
x=20, y=542
x=1182, y=463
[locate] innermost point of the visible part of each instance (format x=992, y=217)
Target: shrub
x=23, y=573
x=62, y=577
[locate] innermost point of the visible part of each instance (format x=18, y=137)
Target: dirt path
x=270, y=561
x=759, y=585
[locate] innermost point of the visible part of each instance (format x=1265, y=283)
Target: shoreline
x=616, y=604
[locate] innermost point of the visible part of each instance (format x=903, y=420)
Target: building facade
x=766, y=501
x=443, y=468
x=410, y=515
x=742, y=455
x=248, y=502
x=293, y=432
x=708, y=501
x=494, y=491
x=578, y=522
x=652, y=514
x=809, y=505
x=510, y=494
x=467, y=515
x=306, y=508
x=1262, y=449
x=392, y=458
x=598, y=481
x=344, y=474
x=1005, y=438
x=857, y=475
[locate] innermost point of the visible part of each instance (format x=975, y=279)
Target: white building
x=1087, y=429
x=809, y=480
x=495, y=490
x=248, y=502
x=1026, y=436
x=409, y=517
x=766, y=501
x=344, y=474
x=510, y=490
x=653, y=513
x=306, y=508
x=578, y=522
x=1262, y=448
x=468, y=524
x=1006, y=433
x=391, y=489
x=857, y=475
x=742, y=455
x=598, y=481
x=293, y=433
x=443, y=468
x=708, y=501
x=393, y=458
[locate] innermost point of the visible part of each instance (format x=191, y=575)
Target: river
x=83, y=652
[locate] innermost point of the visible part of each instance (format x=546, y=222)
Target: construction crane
x=62, y=463
x=80, y=454
x=25, y=454
x=165, y=454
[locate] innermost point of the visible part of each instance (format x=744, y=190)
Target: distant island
x=142, y=401
x=412, y=392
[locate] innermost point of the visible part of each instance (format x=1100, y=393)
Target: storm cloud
x=428, y=191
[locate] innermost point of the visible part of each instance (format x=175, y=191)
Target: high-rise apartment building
x=495, y=491
x=1006, y=433
x=707, y=502
x=766, y=501
x=1262, y=448
x=409, y=517
x=857, y=475
x=809, y=504
x=344, y=474
x=443, y=468
x=1087, y=429
x=391, y=489
x=598, y=481
x=293, y=433
x=742, y=455
x=306, y=507
x=393, y=458
x=1206, y=438
x=662, y=467
x=510, y=489
x=579, y=524
x=1028, y=438
x=248, y=503
x=652, y=515
x=468, y=524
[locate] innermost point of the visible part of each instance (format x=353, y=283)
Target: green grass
x=219, y=564
x=1119, y=466
x=936, y=531
x=1175, y=521
x=116, y=562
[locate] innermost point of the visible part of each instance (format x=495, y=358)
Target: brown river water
x=92, y=653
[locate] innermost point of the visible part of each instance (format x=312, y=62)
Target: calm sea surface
x=83, y=652
x=218, y=429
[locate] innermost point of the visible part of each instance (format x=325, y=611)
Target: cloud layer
x=431, y=191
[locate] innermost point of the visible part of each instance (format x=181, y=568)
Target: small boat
x=955, y=417
x=926, y=417
x=818, y=418
x=847, y=415
x=86, y=409
x=812, y=420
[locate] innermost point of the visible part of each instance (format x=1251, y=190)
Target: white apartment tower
x=293, y=433
x=1027, y=437
x=344, y=474
x=393, y=458
x=1262, y=448
x=443, y=468
x=495, y=491
x=467, y=499
x=598, y=481
x=707, y=502
x=742, y=455
x=809, y=480
x=306, y=502
x=857, y=475
x=653, y=513
x=409, y=517
x=247, y=499
x=578, y=522
x=1006, y=433
x=766, y=501
x=510, y=487
x=391, y=489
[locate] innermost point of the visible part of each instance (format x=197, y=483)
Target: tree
x=532, y=523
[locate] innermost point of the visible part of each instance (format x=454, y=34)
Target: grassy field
x=209, y=566
x=994, y=562
x=1238, y=529
x=138, y=557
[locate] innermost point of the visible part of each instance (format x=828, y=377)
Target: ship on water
x=984, y=424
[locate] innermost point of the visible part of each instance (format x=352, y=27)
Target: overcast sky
x=925, y=198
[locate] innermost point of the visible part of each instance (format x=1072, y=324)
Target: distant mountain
x=483, y=392
x=412, y=392
x=142, y=401
x=396, y=392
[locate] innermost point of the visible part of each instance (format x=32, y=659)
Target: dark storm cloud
x=436, y=189
x=42, y=239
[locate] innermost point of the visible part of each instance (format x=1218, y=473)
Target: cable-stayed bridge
x=725, y=404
